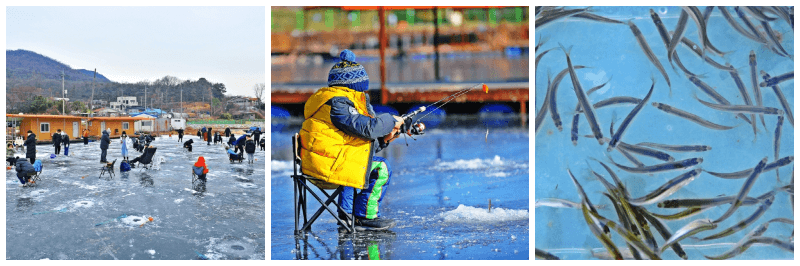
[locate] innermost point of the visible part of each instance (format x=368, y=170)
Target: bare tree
x=259, y=90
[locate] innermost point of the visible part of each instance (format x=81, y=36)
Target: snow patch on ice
x=152, y=252
x=468, y=214
x=476, y=164
x=179, y=200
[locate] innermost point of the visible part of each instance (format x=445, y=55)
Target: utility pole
x=181, y=101
x=63, y=93
x=91, y=100
x=145, y=99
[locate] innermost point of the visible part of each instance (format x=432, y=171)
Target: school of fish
x=638, y=215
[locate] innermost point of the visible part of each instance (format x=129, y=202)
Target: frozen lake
x=439, y=193
x=57, y=219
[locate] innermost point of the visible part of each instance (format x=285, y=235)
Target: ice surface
x=468, y=214
x=476, y=164
x=442, y=175
x=73, y=214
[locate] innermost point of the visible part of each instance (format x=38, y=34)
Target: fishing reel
x=409, y=127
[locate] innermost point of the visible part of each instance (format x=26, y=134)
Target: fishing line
x=452, y=97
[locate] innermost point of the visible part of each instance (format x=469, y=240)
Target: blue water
x=439, y=194
x=613, y=54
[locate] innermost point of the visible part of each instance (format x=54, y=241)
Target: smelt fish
x=544, y=255
x=649, y=52
x=577, y=113
x=625, y=123
x=745, y=173
x=667, y=189
x=757, y=14
x=592, y=16
x=738, y=27
x=771, y=37
x=739, y=247
x=695, y=14
x=688, y=230
x=543, y=111
x=778, y=145
x=788, y=246
x=745, y=95
x=557, y=203
x=586, y=200
x=676, y=148
x=681, y=215
x=714, y=95
x=671, y=166
x=748, y=184
x=769, y=82
x=785, y=104
x=689, y=116
x=677, y=35
x=588, y=109
x=548, y=17
x=696, y=49
x=746, y=109
x=665, y=233
x=744, y=223
x=553, y=92
x=604, y=239
x=629, y=237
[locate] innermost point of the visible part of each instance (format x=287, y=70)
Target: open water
x=612, y=54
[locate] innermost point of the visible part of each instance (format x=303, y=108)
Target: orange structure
x=117, y=124
x=44, y=126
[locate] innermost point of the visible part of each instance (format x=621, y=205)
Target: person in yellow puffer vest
x=339, y=137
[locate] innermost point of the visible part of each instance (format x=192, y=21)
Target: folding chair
x=301, y=191
x=35, y=177
x=108, y=168
x=196, y=172
x=147, y=160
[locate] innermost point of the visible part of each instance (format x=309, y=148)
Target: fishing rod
x=410, y=128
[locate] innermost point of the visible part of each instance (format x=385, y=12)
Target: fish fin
x=566, y=50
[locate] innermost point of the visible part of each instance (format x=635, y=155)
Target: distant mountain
x=23, y=64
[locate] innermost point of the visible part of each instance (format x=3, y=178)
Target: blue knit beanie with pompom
x=348, y=73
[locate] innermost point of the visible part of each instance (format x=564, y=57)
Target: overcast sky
x=131, y=44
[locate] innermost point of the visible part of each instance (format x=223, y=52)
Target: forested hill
x=23, y=64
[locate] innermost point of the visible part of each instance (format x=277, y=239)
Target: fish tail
x=566, y=50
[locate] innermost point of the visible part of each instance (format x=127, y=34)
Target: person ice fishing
x=104, y=141
x=217, y=138
x=239, y=143
x=262, y=143
x=227, y=132
x=149, y=151
x=250, y=149
x=10, y=152
x=180, y=134
x=257, y=134
x=24, y=170
x=65, y=142
x=85, y=137
x=208, y=136
x=57, y=141
x=200, y=168
x=30, y=146
x=188, y=144
x=231, y=140
x=123, y=140
x=339, y=137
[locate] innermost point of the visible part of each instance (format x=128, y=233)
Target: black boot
x=363, y=224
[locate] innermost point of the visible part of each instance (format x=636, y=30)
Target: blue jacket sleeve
x=345, y=117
